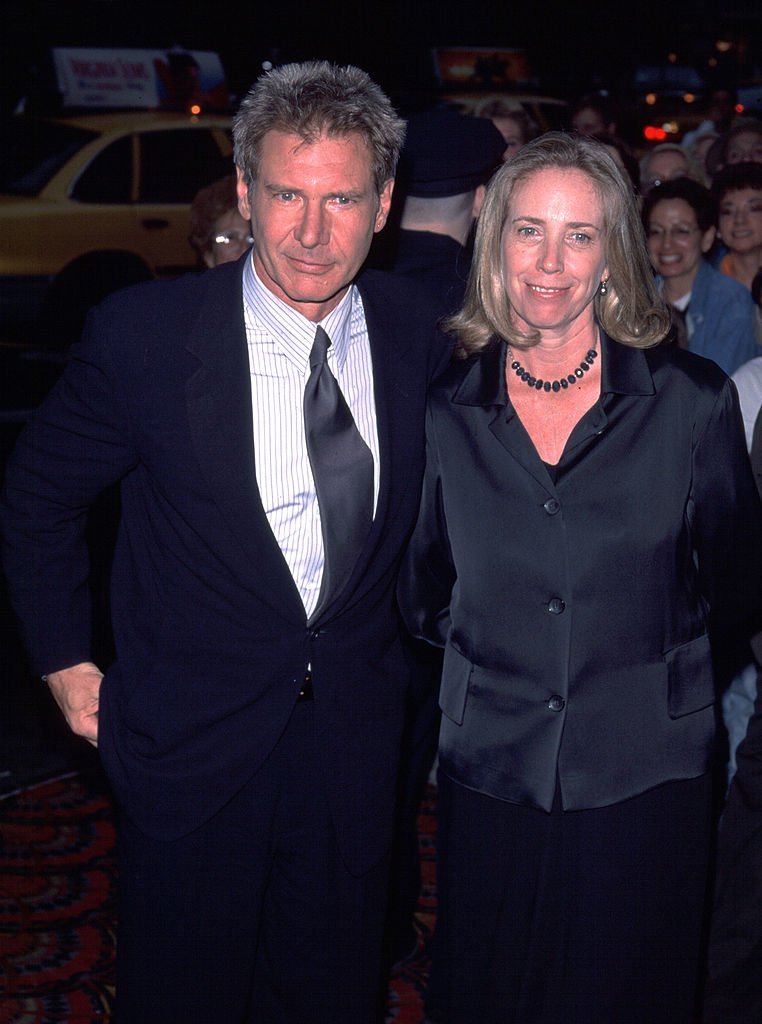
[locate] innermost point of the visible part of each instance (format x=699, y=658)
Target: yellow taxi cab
x=96, y=197
x=91, y=202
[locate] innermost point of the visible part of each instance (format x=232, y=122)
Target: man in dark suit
x=445, y=165
x=265, y=423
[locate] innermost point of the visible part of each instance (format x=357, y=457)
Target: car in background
x=546, y=112
x=667, y=102
x=92, y=202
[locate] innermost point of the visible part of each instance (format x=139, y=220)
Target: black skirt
x=581, y=917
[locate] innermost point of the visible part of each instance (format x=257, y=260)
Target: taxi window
x=32, y=151
x=174, y=165
x=108, y=177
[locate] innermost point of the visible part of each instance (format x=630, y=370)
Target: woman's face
x=740, y=220
x=746, y=146
x=512, y=133
x=554, y=251
x=676, y=243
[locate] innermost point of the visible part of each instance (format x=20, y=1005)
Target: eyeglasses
x=232, y=238
x=679, y=234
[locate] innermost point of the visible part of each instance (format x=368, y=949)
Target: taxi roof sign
x=175, y=79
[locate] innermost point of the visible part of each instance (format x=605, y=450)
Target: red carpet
x=57, y=907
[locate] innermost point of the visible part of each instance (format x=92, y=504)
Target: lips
x=545, y=292
x=309, y=266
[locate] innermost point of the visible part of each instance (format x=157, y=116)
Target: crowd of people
x=477, y=488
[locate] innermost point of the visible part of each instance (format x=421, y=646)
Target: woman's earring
x=604, y=287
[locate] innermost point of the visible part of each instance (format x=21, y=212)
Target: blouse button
x=551, y=506
x=556, y=606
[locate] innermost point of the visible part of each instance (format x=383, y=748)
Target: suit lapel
x=218, y=399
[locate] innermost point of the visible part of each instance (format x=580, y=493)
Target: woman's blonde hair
x=630, y=309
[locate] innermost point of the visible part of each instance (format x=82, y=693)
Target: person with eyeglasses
x=667, y=162
x=265, y=423
x=219, y=234
x=712, y=315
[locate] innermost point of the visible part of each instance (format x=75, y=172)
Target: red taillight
x=654, y=134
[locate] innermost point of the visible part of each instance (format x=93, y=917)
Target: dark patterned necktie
x=342, y=467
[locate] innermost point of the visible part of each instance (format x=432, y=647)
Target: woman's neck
x=556, y=355
x=676, y=288
x=745, y=265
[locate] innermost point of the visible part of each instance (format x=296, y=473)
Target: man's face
x=314, y=210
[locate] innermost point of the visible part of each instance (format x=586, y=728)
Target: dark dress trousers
x=211, y=636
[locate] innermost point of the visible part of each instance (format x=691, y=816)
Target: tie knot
x=319, y=348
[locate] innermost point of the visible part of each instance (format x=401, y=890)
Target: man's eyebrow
x=272, y=186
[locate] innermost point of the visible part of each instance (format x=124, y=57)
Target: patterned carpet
x=57, y=907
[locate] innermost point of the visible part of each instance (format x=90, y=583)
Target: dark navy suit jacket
x=211, y=636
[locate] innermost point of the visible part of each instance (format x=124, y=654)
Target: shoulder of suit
x=398, y=295
x=188, y=290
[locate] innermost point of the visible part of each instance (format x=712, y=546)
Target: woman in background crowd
x=743, y=143
x=713, y=315
x=593, y=115
x=219, y=234
x=737, y=190
x=513, y=123
x=588, y=510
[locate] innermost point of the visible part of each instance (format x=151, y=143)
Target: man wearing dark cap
x=445, y=165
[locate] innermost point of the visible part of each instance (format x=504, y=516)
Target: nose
x=312, y=228
x=550, y=258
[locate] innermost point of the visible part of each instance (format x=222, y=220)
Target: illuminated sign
x=144, y=79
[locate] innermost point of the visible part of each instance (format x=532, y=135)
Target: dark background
x=572, y=46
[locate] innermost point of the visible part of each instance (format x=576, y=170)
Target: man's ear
x=242, y=190
x=384, y=204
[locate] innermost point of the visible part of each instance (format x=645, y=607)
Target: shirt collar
x=292, y=331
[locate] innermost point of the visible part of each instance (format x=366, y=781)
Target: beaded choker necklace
x=552, y=386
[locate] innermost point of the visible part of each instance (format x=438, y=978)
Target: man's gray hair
x=313, y=99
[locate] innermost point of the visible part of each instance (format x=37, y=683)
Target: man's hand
x=76, y=692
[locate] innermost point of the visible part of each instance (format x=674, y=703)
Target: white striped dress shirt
x=279, y=341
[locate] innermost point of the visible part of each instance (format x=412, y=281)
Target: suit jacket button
x=556, y=703
x=551, y=506
x=556, y=606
